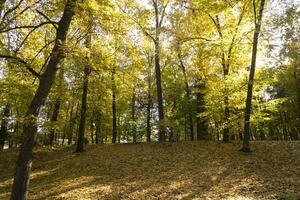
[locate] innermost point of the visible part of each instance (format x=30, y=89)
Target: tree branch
x=26, y=64
x=26, y=26
x=55, y=24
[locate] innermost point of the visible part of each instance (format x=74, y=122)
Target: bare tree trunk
x=24, y=161
x=246, y=143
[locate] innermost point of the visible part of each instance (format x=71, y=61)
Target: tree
x=24, y=161
x=257, y=23
x=87, y=71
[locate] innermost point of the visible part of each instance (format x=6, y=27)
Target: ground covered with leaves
x=187, y=170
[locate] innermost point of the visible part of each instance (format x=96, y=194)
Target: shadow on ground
x=187, y=170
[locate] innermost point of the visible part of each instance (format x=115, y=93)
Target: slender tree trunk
x=119, y=128
x=114, y=109
x=92, y=131
x=226, y=100
x=54, y=118
x=71, y=123
x=3, y=129
x=81, y=129
x=148, y=118
x=201, y=123
x=149, y=101
x=159, y=93
x=227, y=115
x=133, y=117
x=98, y=128
x=24, y=161
x=246, y=143
x=87, y=71
x=66, y=124
x=188, y=97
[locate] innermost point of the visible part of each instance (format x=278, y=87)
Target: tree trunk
x=3, y=129
x=71, y=123
x=227, y=115
x=92, y=131
x=81, y=129
x=201, y=123
x=24, y=161
x=133, y=118
x=54, y=118
x=188, y=97
x=246, y=143
x=159, y=93
x=114, y=109
x=149, y=118
x=98, y=128
x=66, y=124
x=87, y=71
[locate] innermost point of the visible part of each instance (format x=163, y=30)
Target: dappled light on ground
x=188, y=170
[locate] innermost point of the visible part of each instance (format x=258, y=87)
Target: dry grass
x=187, y=170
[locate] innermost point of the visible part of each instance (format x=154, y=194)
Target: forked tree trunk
x=246, y=141
x=24, y=161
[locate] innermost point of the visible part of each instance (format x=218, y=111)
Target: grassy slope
x=188, y=170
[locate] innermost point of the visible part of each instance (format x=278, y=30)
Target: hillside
x=187, y=170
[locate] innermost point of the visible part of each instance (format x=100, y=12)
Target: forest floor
x=185, y=170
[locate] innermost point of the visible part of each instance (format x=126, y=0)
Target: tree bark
x=246, y=141
x=24, y=161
